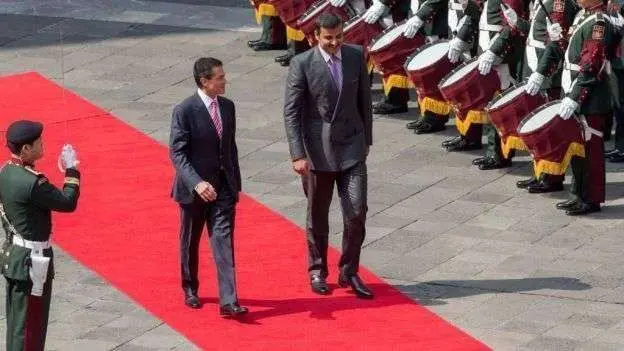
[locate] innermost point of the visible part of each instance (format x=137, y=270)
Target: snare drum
x=358, y=32
x=391, y=48
x=507, y=110
x=552, y=141
x=291, y=10
x=307, y=21
x=427, y=66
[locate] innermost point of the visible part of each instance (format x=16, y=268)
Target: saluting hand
x=206, y=191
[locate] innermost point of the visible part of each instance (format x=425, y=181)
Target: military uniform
x=273, y=30
x=561, y=12
x=585, y=81
x=617, y=64
x=27, y=199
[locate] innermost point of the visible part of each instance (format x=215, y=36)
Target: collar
x=207, y=99
x=327, y=56
x=16, y=160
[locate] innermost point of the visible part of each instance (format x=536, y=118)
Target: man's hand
x=510, y=15
x=301, y=166
x=206, y=191
x=337, y=3
x=555, y=32
x=534, y=83
x=486, y=60
x=412, y=26
x=456, y=48
x=374, y=12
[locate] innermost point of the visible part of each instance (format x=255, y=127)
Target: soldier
x=26, y=201
x=503, y=49
x=554, y=11
x=273, y=30
x=433, y=16
x=585, y=82
x=616, y=155
x=396, y=87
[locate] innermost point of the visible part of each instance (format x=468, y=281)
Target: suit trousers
x=218, y=217
x=352, y=190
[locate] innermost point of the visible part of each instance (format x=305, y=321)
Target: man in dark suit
x=328, y=119
x=203, y=149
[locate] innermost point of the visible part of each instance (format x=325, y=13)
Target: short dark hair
x=203, y=68
x=16, y=148
x=328, y=21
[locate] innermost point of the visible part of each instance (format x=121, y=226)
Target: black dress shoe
x=286, y=62
x=232, y=310
x=451, y=141
x=385, y=108
x=525, y=183
x=545, y=187
x=319, y=285
x=564, y=205
x=617, y=158
x=252, y=43
x=479, y=160
x=282, y=58
x=192, y=301
x=358, y=286
x=582, y=208
x=413, y=124
x=262, y=46
x=464, y=145
x=609, y=153
x=494, y=164
x=426, y=128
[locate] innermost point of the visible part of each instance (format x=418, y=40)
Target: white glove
x=337, y=3
x=567, y=108
x=412, y=26
x=456, y=48
x=486, y=60
x=510, y=15
x=617, y=21
x=534, y=83
x=69, y=157
x=555, y=32
x=374, y=12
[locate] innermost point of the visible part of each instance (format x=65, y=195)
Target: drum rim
x=455, y=70
x=380, y=35
x=321, y=4
x=422, y=48
x=352, y=21
x=533, y=113
x=509, y=89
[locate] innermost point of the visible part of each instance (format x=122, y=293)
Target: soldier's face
x=330, y=39
x=33, y=152
x=216, y=84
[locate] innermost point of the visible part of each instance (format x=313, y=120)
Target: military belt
x=36, y=246
x=456, y=6
x=536, y=43
x=490, y=27
x=572, y=67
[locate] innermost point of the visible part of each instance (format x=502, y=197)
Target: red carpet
x=126, y=230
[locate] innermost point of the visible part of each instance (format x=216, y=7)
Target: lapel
x=323, y=69
x=348, y=74
x=203, y=116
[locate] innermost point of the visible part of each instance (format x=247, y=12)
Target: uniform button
x=6, y=266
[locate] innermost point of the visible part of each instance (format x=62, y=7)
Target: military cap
x=23, y=132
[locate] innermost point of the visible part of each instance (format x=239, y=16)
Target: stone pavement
x=502, y=265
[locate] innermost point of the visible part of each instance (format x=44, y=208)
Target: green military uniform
x=273, y=30
x=563, y=13
x=396, y=87
x=27, y=199
x=506, y=43
x=585, y=80
x=617, y=64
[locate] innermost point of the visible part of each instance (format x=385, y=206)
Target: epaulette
x=29, y=169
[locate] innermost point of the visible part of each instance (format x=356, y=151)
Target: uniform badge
x=598, y=32
x=42, y=180
x=558, y=5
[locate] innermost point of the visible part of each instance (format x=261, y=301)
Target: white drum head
x=508, y=97
x=428, y=56
x=388, y=38
x=539, y=119
x=354, y=23
x=461, y=73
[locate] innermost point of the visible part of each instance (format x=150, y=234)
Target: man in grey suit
x=328, y=119
x=202, y=147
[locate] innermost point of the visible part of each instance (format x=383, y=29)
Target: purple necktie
x=336, y=72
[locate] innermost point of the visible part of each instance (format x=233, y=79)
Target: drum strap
x=572, y=67
x=536, y=43
x=456, y=6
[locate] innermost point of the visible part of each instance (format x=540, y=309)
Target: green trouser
x=297, y=46
x=493, y=147
x=273, y=30
x=434, y=119
x=27, y=315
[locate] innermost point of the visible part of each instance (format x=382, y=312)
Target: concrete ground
x=504, y=266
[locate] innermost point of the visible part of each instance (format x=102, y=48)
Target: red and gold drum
x=507, y=110
x=467, y=89
x=291, y=10
x=358, y=32
x=391, y=48
x=427, y=66
x=307, y=22
x=551, y=140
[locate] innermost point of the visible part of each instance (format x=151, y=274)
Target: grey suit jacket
x=332, y=130
x=197, y=152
